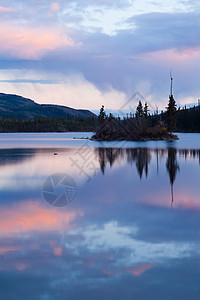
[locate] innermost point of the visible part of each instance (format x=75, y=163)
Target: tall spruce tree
x=102, y=114
x=171, y=109
x=171, y=114
x=146, y=109
x=139, y=110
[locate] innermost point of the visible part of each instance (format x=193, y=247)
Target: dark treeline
x=188, y=120
x=140, y=125
x=43, y=124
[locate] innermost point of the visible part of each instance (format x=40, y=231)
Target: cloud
x=115, y=13
x=139, y=270
x=137, y=58
x=114, y=236
x=32, y=43
x=7, y=9
x=30, y=216
x=6, y=249
x=55, y=6
x=73, y=90
x=162, y=31
x=58, y=251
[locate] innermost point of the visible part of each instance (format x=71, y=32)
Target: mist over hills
x=14, y=106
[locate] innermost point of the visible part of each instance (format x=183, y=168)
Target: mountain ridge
x=16, y=106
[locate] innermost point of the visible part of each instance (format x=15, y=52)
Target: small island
x=132, y=129
x=140, y=126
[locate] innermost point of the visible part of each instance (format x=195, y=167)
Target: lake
x=81, y=219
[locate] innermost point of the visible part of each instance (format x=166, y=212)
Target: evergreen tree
x=139, y=110
x=171, y=114
x=102, y=114
x=146, y=109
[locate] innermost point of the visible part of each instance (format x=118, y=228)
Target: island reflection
x=141, y=157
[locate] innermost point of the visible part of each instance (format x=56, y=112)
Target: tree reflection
x=142, y=159
x=101, y=153
x=172, y=168
x=108, y=155
x=140, y=156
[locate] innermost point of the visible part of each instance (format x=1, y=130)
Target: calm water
x=130, y=231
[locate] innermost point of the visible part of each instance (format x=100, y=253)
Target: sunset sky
x=87, y=53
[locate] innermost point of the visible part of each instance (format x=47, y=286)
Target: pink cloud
x=182, y=200
x=55, y=6
x=56, y=249
x=20, y=266
x=173, y=55
x=31, y=216
x=109, y=272
x=137, y=271
x=7, y=9
x=33, y=43
x=6, y=249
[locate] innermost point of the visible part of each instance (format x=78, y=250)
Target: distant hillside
x=14, y=106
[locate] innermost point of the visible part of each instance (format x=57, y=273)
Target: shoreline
x=108, y=138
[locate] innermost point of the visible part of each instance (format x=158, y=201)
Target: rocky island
x=140, y=126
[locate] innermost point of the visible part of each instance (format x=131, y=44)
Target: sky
x=85, y=54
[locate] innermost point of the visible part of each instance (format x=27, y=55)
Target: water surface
x=131, y=232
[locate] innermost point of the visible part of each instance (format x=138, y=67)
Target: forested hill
x=14, y=106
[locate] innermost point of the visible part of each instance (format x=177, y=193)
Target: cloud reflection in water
x=119, y=237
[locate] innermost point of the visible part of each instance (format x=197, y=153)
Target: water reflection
x=108, y=155
x=141, y=157
x=172, y=168
x=15, y=156
x=115, y=240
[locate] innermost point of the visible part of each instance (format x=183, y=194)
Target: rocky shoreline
x=139, y=138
